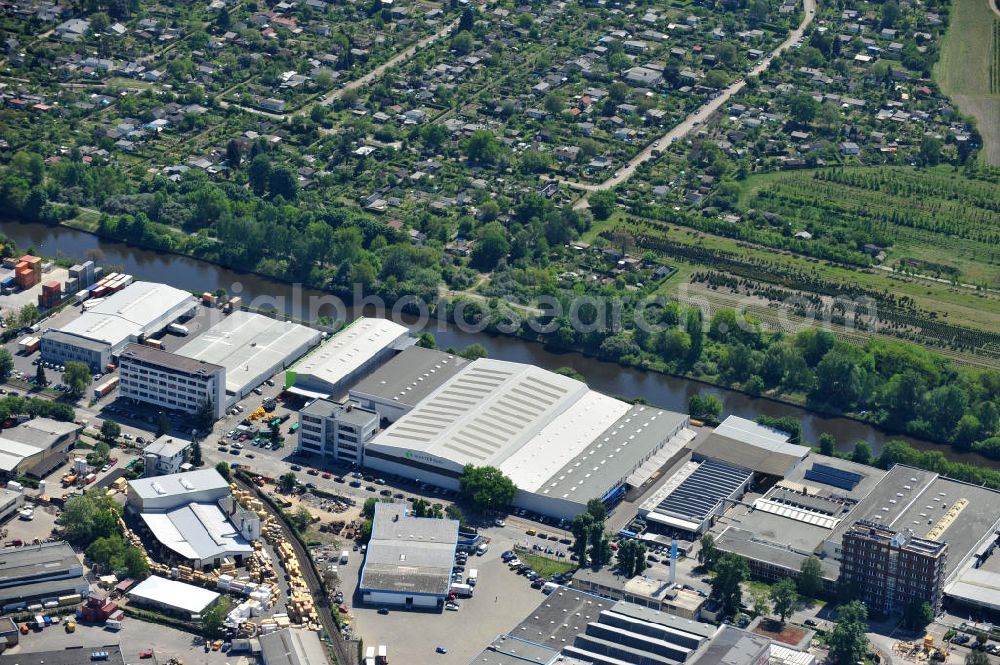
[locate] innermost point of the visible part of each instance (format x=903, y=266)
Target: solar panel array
x=697, y=497
x=828, y=475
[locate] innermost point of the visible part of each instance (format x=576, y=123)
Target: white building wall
x=176, y=391
x=388, y=409
x=386, y=598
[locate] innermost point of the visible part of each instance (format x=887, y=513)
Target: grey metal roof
x=167, y=360
x=42, y=432
x=409, y=554
x=179, y=484
x=68, y=656
x=510, y=650
x=614, y=454
x=755, y=547
x=167, y=446
x=75, y=340
x=733, y=646
x=355, y=415
x=774, y=462
x=870, y=475
x=34, y=561
x=672, y=621
x=561, y=616
x=293, y=646
x=39, y=590
x=411, y=376
x=249, y=346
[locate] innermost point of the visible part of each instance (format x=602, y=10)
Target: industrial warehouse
x=560, y=442
x=251, y=348
x=103, y=330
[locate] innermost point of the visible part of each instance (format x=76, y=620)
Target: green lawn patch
x=545, y=566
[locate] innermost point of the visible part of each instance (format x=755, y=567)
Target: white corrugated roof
x=187, y=597
x=127, y=313
x=349, y=349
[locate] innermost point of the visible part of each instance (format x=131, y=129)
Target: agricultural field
x=968, y=70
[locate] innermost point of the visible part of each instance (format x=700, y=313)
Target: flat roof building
x=139, y=310
x=252, y=348
x=409, y=559
x=688, y=503
x=394, y=389
x=111, y=654
x=648, y=590
x=336, y=431
x=346, y=357
x=167, y=455
x=293, y=646
x=744, y=443
x=173, y=597
x=561, y=443
x=178, y=489
x=171, y=381
x=39, y=572
x=36, y=446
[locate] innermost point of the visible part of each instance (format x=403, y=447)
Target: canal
x=661, y=390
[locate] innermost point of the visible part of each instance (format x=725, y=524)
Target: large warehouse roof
x=746, y=444
x=349, y=350
x=411, y=376
x=131, y=312
x=249, y=345
x=171, y=593
x=33, y=562
x=412, y=555
x=199, y=531
x=293, y=646
x=694, y=492
x=31, y=438
x=485, y=413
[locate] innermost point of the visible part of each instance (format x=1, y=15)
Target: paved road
x=696, y=117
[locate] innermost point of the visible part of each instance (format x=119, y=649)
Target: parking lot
x=134, y=637
x=12, y=302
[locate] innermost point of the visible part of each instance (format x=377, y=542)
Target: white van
x=471, y=578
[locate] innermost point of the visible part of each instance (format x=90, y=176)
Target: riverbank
x=660, y=389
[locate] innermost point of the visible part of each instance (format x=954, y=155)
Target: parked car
x=383, y=610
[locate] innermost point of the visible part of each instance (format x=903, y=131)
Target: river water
x=658, y=389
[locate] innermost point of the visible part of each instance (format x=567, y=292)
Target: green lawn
x=545, y=566
x=967, y=67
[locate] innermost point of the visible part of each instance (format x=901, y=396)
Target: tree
x=977, y=658
x=196, y=459
x=705, y=407
x=6, y=364
x=283, y=181
x=730, y=572
x=491, y=246
x=580, y=528
x=862, y=453
x=224, y=470
x=827, y=444
x=602, y=204
x=474, y=352
x=631, y=558
x=708, y=553
x=110, y=430
x=259, y=174
x=810, y=578
x=462, y=43
x=205, y=416
x=87, y=517
x=287, y=482
x=135, y=563
x=483, y=148
x=101, y=454
x=468, y=19
x=930, y=151
x=600, y=545
x=162, y=424
x=234, y=155
x=486, y=488
x=553, y=103
x=761, y=603
x=77, y=377
x=918, y=615
x=301, y=519
x=212, y=621
x=784, y=598
x=40, y=379
x=427, y=340
x=803, y=108
x=453, y=512
x=847, y=642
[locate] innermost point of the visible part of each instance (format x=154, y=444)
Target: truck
x=344, y=556
x=461, y=590
x=29, y=345
x=106, y=387
x=39, y=622
x=178, y=329
x=471, y=578
x=153, y=344
x=113, y=624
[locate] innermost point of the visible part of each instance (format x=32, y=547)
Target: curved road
x=696, y=117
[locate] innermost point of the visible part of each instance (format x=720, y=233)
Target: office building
x=252, y=348
x=170, y=381
x=101, y=333
x=561, y=443
x=394, y=389
x=889, y=569
x=168, y=454
x=36, y=447
x=186, y=601
x=347, y=357
x=409, y=559
x=337, y=431
x=39, y=573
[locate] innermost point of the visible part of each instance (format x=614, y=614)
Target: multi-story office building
x=336, y=430
x=891, y=569
x=171, y=381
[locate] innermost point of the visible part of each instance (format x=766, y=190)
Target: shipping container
x=154, y=344
x=234, y=304
x=207, y=299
